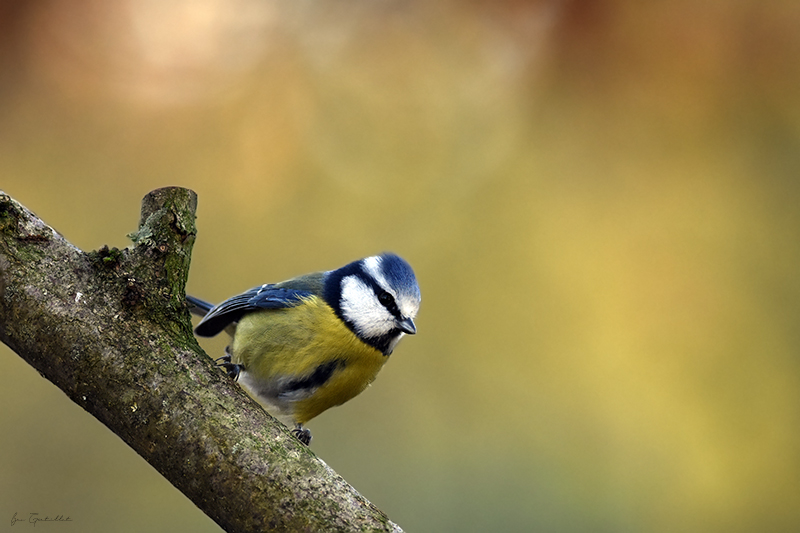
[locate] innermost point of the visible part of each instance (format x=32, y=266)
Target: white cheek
x=361, y=307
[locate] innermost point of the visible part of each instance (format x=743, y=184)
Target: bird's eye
x=386, y=299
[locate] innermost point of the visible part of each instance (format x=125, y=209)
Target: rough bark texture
x=110, y=329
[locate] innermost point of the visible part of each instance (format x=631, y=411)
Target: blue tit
x=310, y=343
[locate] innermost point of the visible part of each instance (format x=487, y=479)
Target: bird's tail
x=197, y=306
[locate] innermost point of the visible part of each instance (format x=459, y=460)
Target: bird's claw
x=232, y=369
x=302, y=434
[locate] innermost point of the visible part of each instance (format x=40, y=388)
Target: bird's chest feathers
x=303, y=359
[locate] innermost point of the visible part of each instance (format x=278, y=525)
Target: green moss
x=107, y=257
x=8, y=212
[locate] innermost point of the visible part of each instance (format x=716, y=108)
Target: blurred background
x=600, y=198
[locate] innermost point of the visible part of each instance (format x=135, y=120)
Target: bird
x=315, y=341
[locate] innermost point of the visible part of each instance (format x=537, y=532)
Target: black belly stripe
x=317, y=378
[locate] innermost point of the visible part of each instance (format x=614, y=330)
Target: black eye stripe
x=387, y=300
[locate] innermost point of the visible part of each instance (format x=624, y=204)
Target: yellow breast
x=303, y=360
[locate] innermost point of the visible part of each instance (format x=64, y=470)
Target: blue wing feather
x=232, y=309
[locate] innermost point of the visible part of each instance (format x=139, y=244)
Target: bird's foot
x=232, y=369
x=302, y=434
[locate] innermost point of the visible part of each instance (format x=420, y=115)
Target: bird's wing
x=268, y=296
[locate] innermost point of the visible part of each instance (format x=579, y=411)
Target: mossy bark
x=110, y=329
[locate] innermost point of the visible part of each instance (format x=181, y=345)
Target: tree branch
x=110, y=329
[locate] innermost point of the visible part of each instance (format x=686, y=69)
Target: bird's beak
x=407, y=326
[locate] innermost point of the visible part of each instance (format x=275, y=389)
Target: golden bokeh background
x=601, y=200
